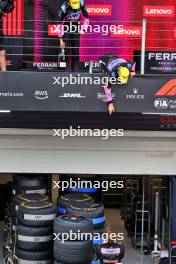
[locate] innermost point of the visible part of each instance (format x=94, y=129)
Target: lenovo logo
x=159, y=11
x=99, y=10
x=169, y=89
x=127, y=31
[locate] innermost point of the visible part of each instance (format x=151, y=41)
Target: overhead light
x=5, y=111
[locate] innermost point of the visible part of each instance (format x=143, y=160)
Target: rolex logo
x=135, y=90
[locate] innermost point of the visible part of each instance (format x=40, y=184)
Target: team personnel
x=6, y=6
x=119, y=68
x=70, y=16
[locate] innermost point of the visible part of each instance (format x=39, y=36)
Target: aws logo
x=169, y=89
x=41, y=95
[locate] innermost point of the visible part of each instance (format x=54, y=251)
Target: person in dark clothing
x=118, y=68
x=6, y=6
x=2, y=49
x=70, y=16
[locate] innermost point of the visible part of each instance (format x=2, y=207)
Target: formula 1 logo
x=127, y=31
x=159, y=11
x=169, y=89
x=99, y=10
x=41, y=95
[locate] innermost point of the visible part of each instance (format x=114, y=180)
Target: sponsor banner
x=158, y=62
x=122, y=31
x=159, y=11
x=99, y=10
x=31, y=91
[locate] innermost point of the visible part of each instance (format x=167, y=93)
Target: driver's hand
x=111, y=108
x=62, y=44
x=82, y=32
x=132, y=74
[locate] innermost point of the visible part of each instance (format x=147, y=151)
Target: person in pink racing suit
x=118, y=68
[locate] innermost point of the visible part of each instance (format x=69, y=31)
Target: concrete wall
x=37, y=151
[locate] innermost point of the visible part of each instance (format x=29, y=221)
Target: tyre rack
x=138, y=220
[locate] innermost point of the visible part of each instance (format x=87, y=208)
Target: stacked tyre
x=72, y=198
x=95, y=213
x=28, y=187
x=85, y=184
x=69, y=249
x=29, y=234
x=34, y=232
x=21, y=189
x=21, y=185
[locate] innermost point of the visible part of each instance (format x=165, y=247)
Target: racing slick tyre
x=72, y=252
x=72, y=198
x=75, y=223
x=95, y=212
x=35, y=257
x=27, y=197
x=34, y=238
x=36, y=214
x=29, y=186
x=89, y=184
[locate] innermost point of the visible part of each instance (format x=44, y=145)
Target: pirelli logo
x=169, y=89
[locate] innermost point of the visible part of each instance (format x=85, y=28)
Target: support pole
x=143, y=208
x=143, y=47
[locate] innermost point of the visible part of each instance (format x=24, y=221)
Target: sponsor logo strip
x=34, y=239
x=41, y=191
x=22, y=261
x=39, y=217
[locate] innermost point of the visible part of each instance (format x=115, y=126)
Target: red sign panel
x=99, y=10
x=159, y=11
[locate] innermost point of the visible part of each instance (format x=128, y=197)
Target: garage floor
x=132, y=256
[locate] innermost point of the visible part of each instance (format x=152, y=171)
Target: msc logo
x=169, y=89
x=101, y=96
x=72, y=95
x=41, y=95
x=161, y=103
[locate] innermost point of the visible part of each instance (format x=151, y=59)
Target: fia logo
x=161, y=103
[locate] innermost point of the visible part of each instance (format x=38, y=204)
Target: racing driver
x=119, y=68
x=70, y=16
